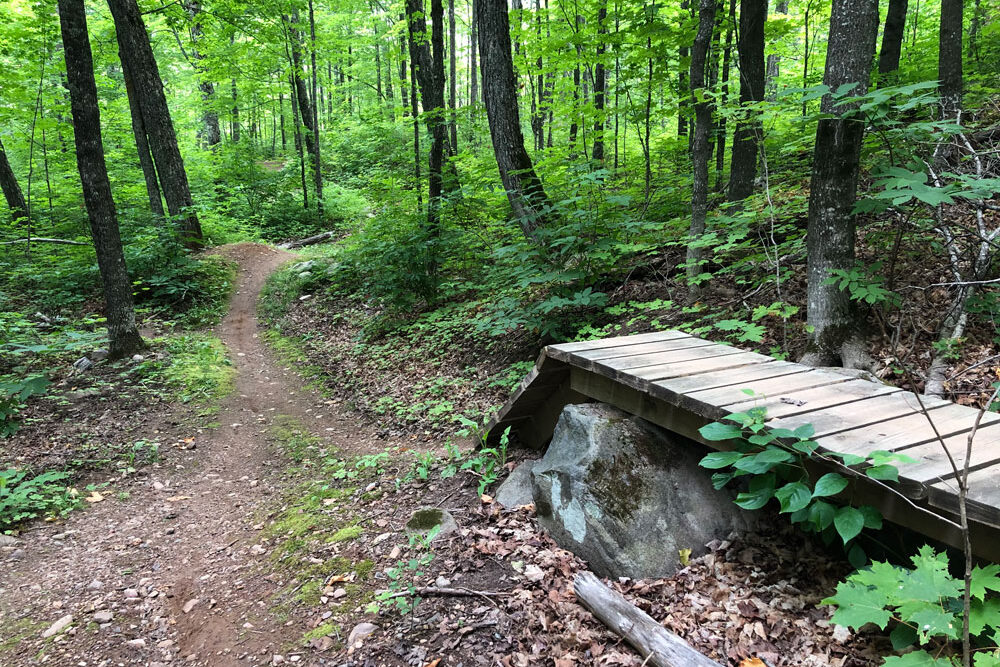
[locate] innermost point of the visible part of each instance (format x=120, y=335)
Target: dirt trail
x=174, y=562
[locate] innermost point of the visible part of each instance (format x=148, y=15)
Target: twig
x=36, y=239
x=450, y=592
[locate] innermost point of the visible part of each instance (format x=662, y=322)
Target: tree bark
x=773, y=63
x=452, y=80
x=122, y=330
x=403, y=95
x=134, y=45
x=727, y=54
x=317, y=161
x=142, y=143
x=528, y=201
x=600, y=82
x=209, y=133
x=306, y=112
x=892, y=39
x=950, y=56
x=750, y=49
x=700, y=142
x=12, y=190
x=831, y=231
x=473, y=69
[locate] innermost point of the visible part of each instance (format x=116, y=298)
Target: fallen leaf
x=752, y=662
x=94, y=497
x=486, y=498
x=433, y=663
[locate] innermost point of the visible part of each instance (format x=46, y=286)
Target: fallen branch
x=447, y=592
x=311, y=240
x=656, y=644
x=43, y=240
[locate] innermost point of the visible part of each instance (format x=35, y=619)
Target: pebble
x=189, y=605
x=277, y=659
x=103, y=617
x=136, y=643
x=95, y=585
x=17, y=554
x=166, y=643
x=360, y=631
x=7, y=541
x=131, y=594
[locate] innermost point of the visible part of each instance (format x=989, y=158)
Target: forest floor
x=263, y=540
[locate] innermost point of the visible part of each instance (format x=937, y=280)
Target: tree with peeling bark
x=836, y=336
x=122, y=330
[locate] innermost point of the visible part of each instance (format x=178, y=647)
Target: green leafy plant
x=924, y=606
x=25, y=496
x=401, y=592
x=770, y=463
x=13, y=396
x=486, y=462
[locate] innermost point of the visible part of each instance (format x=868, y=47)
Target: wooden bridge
x=682, y=383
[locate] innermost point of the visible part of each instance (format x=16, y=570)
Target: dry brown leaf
x=433, y=663
x=94, y=497
x=752, y=662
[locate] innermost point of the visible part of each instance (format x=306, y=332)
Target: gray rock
x=98, y=355
x=627, y=496
x=426, y=519
x=7, y=541
x=58, y=626
x=103, y=616
x=360, y=631
x=516, y=490
x=17, y=554
x=138, y=357
x=81, y=394
x=82, y=364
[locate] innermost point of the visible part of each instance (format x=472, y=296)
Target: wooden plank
x=768, y=389
x=906, y=431
x=861, y=413
x=562, y=350
x=983, y=501
x=662, y=372
x=746, y=376
x=932, y=464
x=801, y=402
x=628, y=363
x=642, y=348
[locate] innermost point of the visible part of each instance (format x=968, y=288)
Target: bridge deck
x=682, y=383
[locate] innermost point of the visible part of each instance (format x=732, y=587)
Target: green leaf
x=984, y=615
x=848, y=521
x=717, y=460
x=716, y=432
x=918, y=659
x=829, y=484
x=883, y=472
x=984, y=579
x=858, y=605
x=873, y=518
x=821, y=515
x=902, y=636
x=793, y=497
x=761, y=491
x=805, y=431
x=934, y=621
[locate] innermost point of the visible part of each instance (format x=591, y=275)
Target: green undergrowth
x=194, y=369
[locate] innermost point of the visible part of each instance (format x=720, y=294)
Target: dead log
x=311, y=240
x=43, y=240
x=657, y=645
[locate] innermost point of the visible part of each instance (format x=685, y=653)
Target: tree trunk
x=306, y=112
x=12, y=190
x=750, y=49
x=134, y=45
x=234, y=119
x=727, y=54
x=317, y=161
x=892, y=39
x=682, y=52
x=452, y=80
x=700, y=144
x=403, y=95
x=600, y=82
x=473, y=69
x=122, y=331
x=297, y=125
x=416, y=126
x=209, y=133
x=773, y=63
x=950, y=56
x=833, y=188
x=527, y=197
x=142, y=143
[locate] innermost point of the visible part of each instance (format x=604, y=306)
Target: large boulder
x=626, y=495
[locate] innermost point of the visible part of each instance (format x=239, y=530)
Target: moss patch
x=347, y=533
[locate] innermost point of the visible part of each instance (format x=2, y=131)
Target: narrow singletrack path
x=171, y=572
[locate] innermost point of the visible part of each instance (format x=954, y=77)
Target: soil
x=267, y=539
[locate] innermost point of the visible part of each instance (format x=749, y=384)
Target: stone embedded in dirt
x=58, y=626
x=138, y=357
x=136, y=643
x=628, y=496
x=516, y=490
x=95, y=585
x=82, y=364
x=189, y=605
x=81, y=394
x=17, y=554
x=103, y=617
x=7, y=541
x=360, y=631
x=98, y=355
x=131, y=594
x=339, y=593
x=426, y=519
x=277, y=659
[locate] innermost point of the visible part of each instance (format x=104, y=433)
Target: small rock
x=95, y=585
x=339, y=593
x=99, y=355
x=138, y=357
x=189, y=605
x=277, y=659
x=58, y=626
x=103, y=617
x=17, y=554
x=360, y=631
x=136, y=643
x=517, y=489
x=131, y=594
x=166, y=643
x=381, y=538
x=7, y=541
x=841, y=633
x=426, y=519
x=395, y=553
x=82, y=364
x=158, y=486
x=441, y=582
